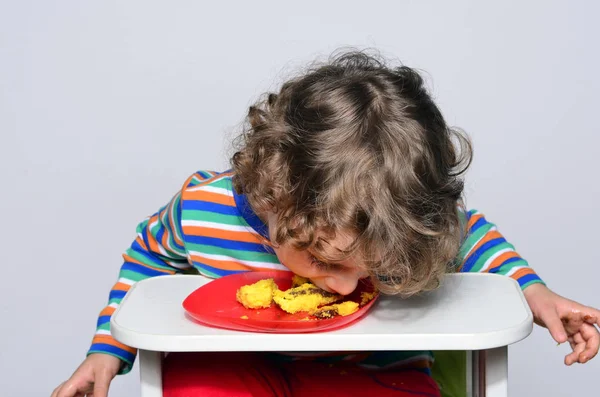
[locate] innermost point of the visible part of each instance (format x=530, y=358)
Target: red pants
x=254, y=375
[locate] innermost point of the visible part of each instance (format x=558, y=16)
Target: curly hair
x=355, y=144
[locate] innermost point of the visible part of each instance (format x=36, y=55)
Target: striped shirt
x=208, y=227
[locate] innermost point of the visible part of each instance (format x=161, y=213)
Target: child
x=349, y=172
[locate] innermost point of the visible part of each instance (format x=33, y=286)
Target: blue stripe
x=228, y=244
x=104, y=347
x=146, y=271
x=530, y=277
x=249, y=216
x=481, y=222
x=196, y=205
x=470, y=262
x=116, y=294
x=102, y=320
x=144, y=237
x=177, y=223
x=506, y=262
x=159, y=235
x=150, y=256
x=205, y=174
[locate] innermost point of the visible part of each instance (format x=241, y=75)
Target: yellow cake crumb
x=366, y=297
x=244, y=317
x=305, y=298
x=338, y=309
x=257, y=295
x=299, y=280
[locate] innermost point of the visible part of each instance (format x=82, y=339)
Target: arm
x=157, y=251
x=484, y=249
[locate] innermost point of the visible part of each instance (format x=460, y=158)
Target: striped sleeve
x=484, y=249
x=158, y=250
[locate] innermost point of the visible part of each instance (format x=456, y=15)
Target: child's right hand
x=93, y=377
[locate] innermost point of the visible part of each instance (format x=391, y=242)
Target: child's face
x=341, y=277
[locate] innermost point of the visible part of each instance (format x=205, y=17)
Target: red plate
x=215, y=304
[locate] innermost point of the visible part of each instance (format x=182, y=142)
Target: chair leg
x=151, y=373
x=496, y=372
x=489, y=373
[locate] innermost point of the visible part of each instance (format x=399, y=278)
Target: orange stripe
x=204, y=182
x=211, y=197
x=107, y=311
x=522, y=272
x=247, y=237
x=121, y=287
x=496, y=263
x=151, y=240
x=474, y=220
x=231, y=265
x=109, y=340
x=165, y=239
x=172, y=225
x=130, y=259
x=141, y=242
x=268, y=269
x=224, y=265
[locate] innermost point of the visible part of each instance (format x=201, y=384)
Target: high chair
x=468, y=322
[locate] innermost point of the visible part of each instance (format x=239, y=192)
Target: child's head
x=357, y=174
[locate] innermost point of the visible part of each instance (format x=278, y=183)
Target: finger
x=572, y=322
x=572, y=343
x=57, y=390
x=574, y=356
x=554, y=324
x=591, y=315
x=101, y=384
x=68, y=389
x=573, y=347
x=590, y=334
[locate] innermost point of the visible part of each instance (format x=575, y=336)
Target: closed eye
x=325, y=266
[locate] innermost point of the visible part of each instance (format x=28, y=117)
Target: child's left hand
x=567, y=321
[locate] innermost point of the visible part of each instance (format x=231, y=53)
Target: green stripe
x=156, y=264
x=532, y=282
x=114, y=300
x=236, y=254
x=484, y=257
x=472, y=240
x=173, y=251
x=176, y=218
x=224, y=183
x=203, y=271
x=198, y=215
x=105, y=326
x=141, y=226
x=133, y=276
x=195, y=180
x=124, y=369
x=503, y=269
x=154, y=229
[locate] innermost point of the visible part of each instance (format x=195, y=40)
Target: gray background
x=106, y=108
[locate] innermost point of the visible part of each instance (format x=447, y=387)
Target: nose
x=342, y=285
